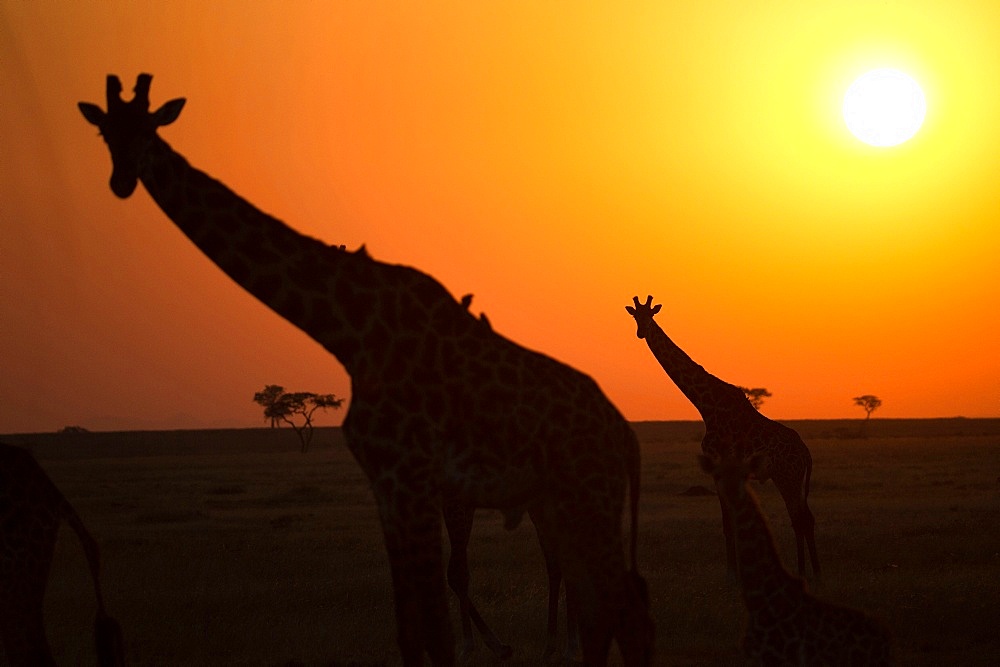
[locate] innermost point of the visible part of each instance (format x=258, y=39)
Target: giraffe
x=786, y=625
x=458, y=519
x=732, y=424
x=441, y=404
x=31, y=508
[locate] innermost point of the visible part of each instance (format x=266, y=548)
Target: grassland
x=232, y=547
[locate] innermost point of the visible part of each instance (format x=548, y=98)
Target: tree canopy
x=296, y=409
x=869, y=402
x=755, y=395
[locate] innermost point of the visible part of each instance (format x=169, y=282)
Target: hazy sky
x=552, y=158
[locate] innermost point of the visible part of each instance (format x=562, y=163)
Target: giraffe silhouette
x=441, y=404
x=734, y=427
x=786, y=625
x=31, y=509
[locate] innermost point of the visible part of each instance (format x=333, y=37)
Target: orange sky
x=554, y=159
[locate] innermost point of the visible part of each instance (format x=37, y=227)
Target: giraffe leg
x=411, y=524
x=636, y=631
x=595, y=631
x=24, y=640
x=591, y=554
x=804, y=525
x=421, y=608
x=458, y=518
x=727, y=532
x=809, y=528
x=573, y=653
x=805, y=531
x=611, y=610
x=501, y=650
x=22, y=591
x=403, y=477
x=554, y=574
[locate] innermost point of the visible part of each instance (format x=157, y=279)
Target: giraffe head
x=730, y=475
x=643, y=314
x=128, y=129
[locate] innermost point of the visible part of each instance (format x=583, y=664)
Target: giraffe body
x=441, y=405
x=31, y=509
x=734, y=428
x=786, y=625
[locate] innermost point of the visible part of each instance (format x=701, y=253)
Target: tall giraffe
x=786, y=625
x=733, y=425
x=440, y=403
x=31, y=508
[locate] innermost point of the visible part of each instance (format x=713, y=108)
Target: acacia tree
x=755, y=395
x=268, y=398
x=869, y=402
x=281, y=406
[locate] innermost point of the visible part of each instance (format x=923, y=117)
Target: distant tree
x=756, y=395
x=73, y=429
x=870, y=404
x=269, y=398
x=281, y=406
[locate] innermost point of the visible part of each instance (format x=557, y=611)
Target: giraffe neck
x=763, y=578
x=708, y=393
x=336, y=297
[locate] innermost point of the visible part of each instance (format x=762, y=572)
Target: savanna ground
x=232, y=547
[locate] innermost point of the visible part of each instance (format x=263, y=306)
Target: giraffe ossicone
x=441, y=405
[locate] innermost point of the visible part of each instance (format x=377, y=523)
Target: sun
x=884, y=107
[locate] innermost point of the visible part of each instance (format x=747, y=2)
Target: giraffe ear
x=169, y=112
x=630, y=310
x=94, y=114
x=656, y=309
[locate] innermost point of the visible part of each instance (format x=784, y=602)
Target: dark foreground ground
x=232, y=547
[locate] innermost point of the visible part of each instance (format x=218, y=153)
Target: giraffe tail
x=107, y=631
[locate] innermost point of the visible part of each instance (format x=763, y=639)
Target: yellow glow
x=523, y=152
x=884, y=107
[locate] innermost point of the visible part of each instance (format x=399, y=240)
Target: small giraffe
x=441, y=404
x=733, y=425
x=786, y=625
x=458, y=519
x=31, y=508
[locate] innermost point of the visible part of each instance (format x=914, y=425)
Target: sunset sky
x=552, y=158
